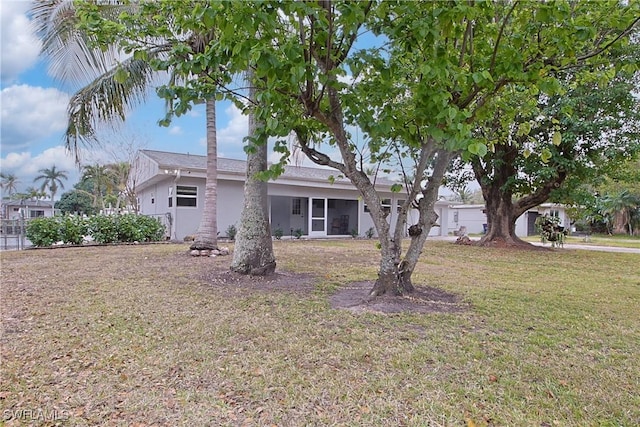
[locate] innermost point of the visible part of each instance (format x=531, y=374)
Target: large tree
x=52, y=180
x=9, y=182
x=443, y=66
x=587, y=129
x=112, y=83
x=429, y=73
x=253, y=252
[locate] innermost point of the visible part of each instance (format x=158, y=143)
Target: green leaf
x=557, y=138
x=121, y=75
x=545, y=155
x=396, y=188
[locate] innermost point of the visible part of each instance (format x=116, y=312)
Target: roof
x=29, y=203
x=167, y=160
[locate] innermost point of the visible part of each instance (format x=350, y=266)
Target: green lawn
x=598, y=240
x=134, y=335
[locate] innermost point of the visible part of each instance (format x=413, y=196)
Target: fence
x=12, y=234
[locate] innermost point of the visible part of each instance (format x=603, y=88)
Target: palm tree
x=207, y=235
x=119, y=174
x=106, y=97
x=51, y=179
x=253, y=253
x=95, y=180
x=35, y=193
x=621, y=207
x=9, y=182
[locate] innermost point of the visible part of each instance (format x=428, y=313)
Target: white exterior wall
x=230, y=201
x=470, y=216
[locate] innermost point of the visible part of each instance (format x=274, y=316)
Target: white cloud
x=175, y=130
x=30, y=113
x=25, y=167
x=236, y=129
x=19, y=48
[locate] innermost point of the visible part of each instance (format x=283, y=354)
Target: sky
x=33, y=115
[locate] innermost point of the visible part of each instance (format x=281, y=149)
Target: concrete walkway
x=569, y=246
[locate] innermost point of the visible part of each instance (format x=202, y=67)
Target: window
x=186, y=196
x=296, y=207
x=36, y=214
x=554, y=212
x=384, y=203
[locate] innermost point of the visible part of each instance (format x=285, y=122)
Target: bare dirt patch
x=355, y=297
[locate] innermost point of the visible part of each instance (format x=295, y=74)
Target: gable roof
x=167, y=160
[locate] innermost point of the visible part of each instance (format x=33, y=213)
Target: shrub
x=72, y=228
x=231, y=232
x=43, y=231
x=550, y=231
x=138, y=228
x=278, y=233
x=369, y=233
x=298, y=233
x=103, y=228
x=151, y=228
x=354, y=232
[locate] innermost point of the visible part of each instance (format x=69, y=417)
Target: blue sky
x=33, y=114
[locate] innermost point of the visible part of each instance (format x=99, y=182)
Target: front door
x=298, y=210
x=318, y=218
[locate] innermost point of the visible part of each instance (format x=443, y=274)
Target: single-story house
x=474, y=218
x=32, y=208
x=312, y=201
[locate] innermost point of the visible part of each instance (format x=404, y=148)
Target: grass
x=621, y=241
x=134, y=335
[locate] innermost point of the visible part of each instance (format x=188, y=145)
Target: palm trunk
x=253, y=252
x=207, y=234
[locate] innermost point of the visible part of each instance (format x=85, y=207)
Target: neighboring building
x=16, y=209
x=474, y=218
x=171, y=186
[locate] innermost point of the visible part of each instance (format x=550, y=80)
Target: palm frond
x=106, y=99
x=71, y=52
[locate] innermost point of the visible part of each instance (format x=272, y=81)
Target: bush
x=231, y=232
x=278, y=233
x=298, y=233
x=72, y=228
x=138, y=228
x=103, y=228
x=151, y=229
x=369, y=233
x=43, y=231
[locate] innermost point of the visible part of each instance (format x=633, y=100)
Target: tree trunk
x=253, y=253
x=426, y=220
x=501, y=221
x=207, y=235
x=495, y=177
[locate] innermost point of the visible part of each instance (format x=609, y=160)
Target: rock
x=215, y=252
x=224, y=251
x=464, y=240
x=205, y=252
x=189, y=238
x=195, y=252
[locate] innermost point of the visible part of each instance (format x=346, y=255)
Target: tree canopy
x=415, y=77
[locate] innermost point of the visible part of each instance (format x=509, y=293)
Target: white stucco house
x=26, y=209
x=474, y=218
x=171, y=186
